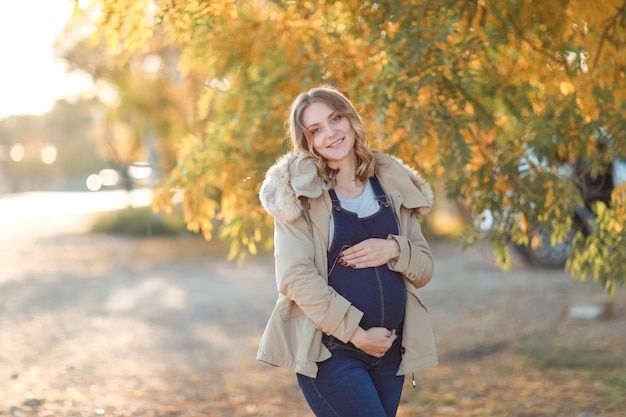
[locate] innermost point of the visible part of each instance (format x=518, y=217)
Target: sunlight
x=50, y=204
x=30, y=78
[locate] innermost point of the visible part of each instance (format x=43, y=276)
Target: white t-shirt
x=363, y=205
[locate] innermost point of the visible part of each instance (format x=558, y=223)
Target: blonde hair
x=302, y=140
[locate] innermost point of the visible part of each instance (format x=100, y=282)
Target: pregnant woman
x=349, y=258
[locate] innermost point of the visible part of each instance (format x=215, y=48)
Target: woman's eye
x=336, y=118
x=315, y=130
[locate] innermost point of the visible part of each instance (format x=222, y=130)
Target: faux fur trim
x=277, y=195
x=292, y=177
x=421, y=183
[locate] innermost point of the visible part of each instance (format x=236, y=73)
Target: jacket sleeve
x=299, y=280
x=415, y=262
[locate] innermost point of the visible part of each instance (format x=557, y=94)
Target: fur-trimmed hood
x=294, y=176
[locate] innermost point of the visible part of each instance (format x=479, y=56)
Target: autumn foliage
x=493, y=97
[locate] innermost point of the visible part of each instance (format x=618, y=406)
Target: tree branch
x=520, y=33
x=610, y=23
x=471, y=99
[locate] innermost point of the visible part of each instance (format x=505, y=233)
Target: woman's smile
x=336, y=144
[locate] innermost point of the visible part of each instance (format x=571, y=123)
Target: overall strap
x=334, y=199
x=379, y=193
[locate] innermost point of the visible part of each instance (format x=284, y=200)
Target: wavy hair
x=302, y=140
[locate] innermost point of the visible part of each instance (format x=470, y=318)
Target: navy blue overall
x=378, y=292
x=352, y=383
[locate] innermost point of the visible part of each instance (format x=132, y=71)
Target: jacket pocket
x=288, y=309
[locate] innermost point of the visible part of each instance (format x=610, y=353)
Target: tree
x=150, y=105
x=490, y=95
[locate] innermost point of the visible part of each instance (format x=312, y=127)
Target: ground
x=99, y=325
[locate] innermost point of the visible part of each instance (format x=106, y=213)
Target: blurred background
x=512, y=110
x=52, y=122
x=135, y=260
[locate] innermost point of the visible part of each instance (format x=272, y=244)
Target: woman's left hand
x=370, y=253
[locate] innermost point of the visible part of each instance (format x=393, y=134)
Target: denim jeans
x=354, y=384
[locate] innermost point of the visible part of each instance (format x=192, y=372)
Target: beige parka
x=307, y=306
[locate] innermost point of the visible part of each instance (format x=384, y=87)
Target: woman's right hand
x=374, y=341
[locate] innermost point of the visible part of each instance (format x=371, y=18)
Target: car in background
x=593, y=189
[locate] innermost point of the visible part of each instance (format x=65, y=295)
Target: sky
x=31, y=79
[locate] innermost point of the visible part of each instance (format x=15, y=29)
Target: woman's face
x=333, y=136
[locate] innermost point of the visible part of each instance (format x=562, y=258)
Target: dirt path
x=99, y=325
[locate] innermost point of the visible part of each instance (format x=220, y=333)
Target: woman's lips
x=337, y=143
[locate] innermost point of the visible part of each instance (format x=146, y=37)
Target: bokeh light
x=16, y=153
x=49, y=154
x=94, y=182
x=140, y=170
x=109, y=177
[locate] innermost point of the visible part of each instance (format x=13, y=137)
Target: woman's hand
x=374, y=341
x=370, y=253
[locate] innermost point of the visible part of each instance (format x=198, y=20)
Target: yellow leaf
x=522, y=224
x=252, y=248
x=566, y=88
x=549, y=199
x=536, y=241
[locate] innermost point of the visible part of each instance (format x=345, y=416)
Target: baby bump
x=378, y=292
